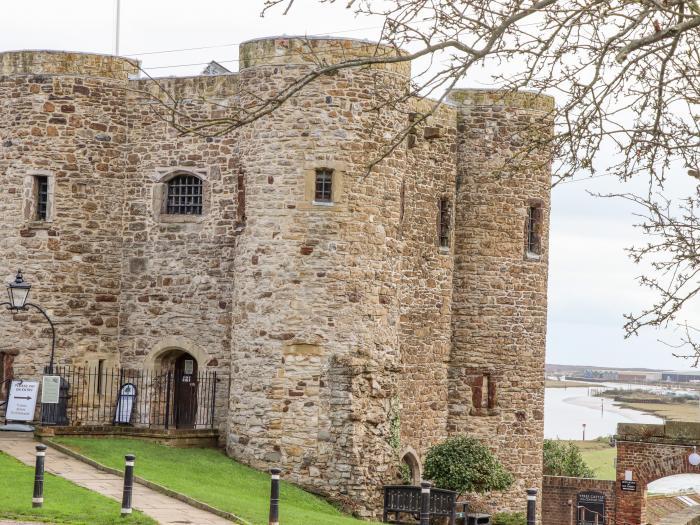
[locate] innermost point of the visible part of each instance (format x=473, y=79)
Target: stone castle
x=359, y=318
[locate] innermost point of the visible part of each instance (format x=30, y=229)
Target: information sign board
x=22, y=400
x=50, y=390
x=591, y=507
x=627, y=485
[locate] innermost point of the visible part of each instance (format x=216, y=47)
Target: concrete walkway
x=164, y=510
x=687, y=516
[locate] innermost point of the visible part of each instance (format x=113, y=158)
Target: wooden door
x=185, y=399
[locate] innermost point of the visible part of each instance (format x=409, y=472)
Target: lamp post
x=18, y=293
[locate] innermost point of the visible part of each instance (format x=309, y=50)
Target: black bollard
x=128, y=484
x=531, y=506
x=275, y=496
x=425, y=503
x=38, y=498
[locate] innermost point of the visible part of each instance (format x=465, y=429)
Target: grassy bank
x=210, y=476
x=600, y=456
x=64, y=502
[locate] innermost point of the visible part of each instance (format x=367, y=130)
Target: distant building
x=681, y=377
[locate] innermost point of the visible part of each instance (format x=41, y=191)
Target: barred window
x=324, y=185
x=444, y=223
x=533, y=229
x=185, y=195
x=42, y=196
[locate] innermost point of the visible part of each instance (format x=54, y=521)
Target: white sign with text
x=22, y=400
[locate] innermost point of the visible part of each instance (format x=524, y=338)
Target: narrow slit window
x=324, y=185
x=533, y=230
x=42, y=197
x=185, y=195
x=100, y=377
x=444, y=223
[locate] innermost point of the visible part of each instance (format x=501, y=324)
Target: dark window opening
x=324, y=185
x=42, y=197
x=444, y=223
x=185, y=195
x=100, y=377
x=533, y=229
x=484, y=393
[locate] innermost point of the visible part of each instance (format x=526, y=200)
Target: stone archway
x=646, y=453
x=166, y=352
x=410, y=459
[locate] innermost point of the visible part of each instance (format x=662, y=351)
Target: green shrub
x=465, y=464
x=509, y=518
x=562, y=458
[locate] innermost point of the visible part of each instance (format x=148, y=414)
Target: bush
x=563, y=458
x=464, y=464
x=509, y=518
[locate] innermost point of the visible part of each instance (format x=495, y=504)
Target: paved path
x=164, y=510
x=683, y=517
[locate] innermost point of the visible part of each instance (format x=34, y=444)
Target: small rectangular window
x=483, y=392
x=444, y=223
x=324, y=185
x=100, y=377
x=533, y=229
x=42, y=197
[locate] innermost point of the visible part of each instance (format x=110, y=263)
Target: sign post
x=21, y=402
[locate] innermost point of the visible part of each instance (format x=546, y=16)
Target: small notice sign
x=627, y=485
x=50, y=390
x=22, y=400
x=189, y=367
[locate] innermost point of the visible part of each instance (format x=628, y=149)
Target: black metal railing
x=141, y=398
x=404, y=502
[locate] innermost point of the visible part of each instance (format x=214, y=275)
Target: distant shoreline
x=551, y=383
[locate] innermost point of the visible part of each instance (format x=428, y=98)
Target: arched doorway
x=410, y=468
x=180, y=369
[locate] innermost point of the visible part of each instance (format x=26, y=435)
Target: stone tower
x=315, y=348
x=63, y=133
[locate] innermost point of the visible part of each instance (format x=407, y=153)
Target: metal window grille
x=324, y=185
x=42, y=197
x=185, y=195
x=444, y=223
x=534, y=219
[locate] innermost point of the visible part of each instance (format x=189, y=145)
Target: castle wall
x=316, y=326
x=426, y=280
x=63, y=116
x=177, y=271
x=350, y=336
x=500, y=293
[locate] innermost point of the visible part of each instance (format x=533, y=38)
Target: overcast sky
x=592, y=282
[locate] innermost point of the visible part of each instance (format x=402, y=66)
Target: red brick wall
x=557, y=492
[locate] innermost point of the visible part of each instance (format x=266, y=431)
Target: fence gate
x=177, y=398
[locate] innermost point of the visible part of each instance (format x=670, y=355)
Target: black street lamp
x=18, y=293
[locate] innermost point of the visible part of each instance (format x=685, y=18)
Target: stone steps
x=689, y=516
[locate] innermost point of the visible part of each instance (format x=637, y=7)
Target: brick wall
x=557, y=492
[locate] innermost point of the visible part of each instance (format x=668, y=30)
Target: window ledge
x=180, y=219
x=529, y=256
x=39, y=225
x=444, y=250
x=484, y=412
x=323, y=203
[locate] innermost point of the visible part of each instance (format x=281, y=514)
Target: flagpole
x=116, y=36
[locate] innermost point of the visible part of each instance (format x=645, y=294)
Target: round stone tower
x=62, y=130
x=315, y=342
x=500, y=279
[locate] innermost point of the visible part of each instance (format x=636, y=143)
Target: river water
x=568, y=409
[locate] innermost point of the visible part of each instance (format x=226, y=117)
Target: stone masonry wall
x=426, y=280
x=315, y=344
x=71, y=129
x=500, y=293
x=177, y=271
x=559, y=498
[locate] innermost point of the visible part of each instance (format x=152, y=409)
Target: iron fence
x=141, y=398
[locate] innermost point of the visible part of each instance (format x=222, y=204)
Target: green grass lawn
x=600, y=457
x=209, y=476
x=64, y=502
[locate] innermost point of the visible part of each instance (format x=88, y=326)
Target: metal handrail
x=597, y=515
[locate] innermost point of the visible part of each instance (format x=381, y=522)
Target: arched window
x=185, y=195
